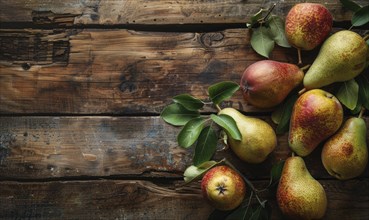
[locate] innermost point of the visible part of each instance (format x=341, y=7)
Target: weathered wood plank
x=72, y=12
x=57, y=147
x=118, y=71
x=131, y=199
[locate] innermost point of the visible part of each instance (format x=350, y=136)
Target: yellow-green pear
x=299, y=195
x=345, y=154
x=341, y=57
x=258, y=137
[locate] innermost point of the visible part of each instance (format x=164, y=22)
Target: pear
x=341, y=57
x=258, y=137
x=345, y=154
x=267, y=83
x=299, y=195
x=307, y=26
x=316, y=115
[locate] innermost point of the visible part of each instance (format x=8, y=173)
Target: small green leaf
x=285, y=113
x=358, y=107
x=194, y=173
x=277, y=114
x=206, y=146
x=348, y=94
x=241, y=213
x=177, y=115
x=276, y=25
x=276, y=172
x=190, y=132
x=350, y=5
x=363, y=81
x=360, y=17
x=189, y=102
x=262, y=212
x=262, y=41
x=228, y=124
x=222, y=91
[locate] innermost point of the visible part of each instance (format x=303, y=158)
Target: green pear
x=341, y=57
x=299, y=195
x=345, y=154
x=258, y=137
x=316, y=115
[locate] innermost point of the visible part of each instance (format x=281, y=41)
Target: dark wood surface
x=82, y=84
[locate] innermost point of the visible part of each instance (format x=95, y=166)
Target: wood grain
x=58, y=147
x=133, y=199
x=71, y=12
x=120, y=71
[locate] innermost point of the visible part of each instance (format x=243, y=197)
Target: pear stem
x=366, y=37
x=302, y=91
x=361, y=112
x=218, y=107
x=293, y=153
x=299, y=56
x=305, y=67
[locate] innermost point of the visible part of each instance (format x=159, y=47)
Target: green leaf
x=188, y=101
x=206, y=146
x=363, y=81
x=276, y=115
x=241, y=213
x=360, y=17
x=358, y=107
x=176, y=114
x=276, y=172
x=195, y=172
x=285, y=113
x=348, y=93
x=262, y=41
x=222, y=91
x=276, y=25
x=228, y=124
x=190, y=132
x=262, y=212
x=350, y=5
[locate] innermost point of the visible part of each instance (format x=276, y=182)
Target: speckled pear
x=258, y=137
x=299, y=195
x=345, y=154
x=341, y=57
x=316, y=115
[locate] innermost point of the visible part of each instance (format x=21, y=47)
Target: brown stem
x=218, y=108
x=305, y=67
x=366, y=37
x=299, y=56
x=302, y=91
x=361, y=112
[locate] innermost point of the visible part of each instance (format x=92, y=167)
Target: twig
x=361, y=112
x=305, y=67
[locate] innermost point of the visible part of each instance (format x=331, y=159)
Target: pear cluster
x=317, y=116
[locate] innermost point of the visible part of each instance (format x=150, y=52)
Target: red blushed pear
x=316, y=115
x=267, y=83
x=223, y=188
x=307, y=26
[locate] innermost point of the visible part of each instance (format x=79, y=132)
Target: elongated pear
x=345, y=154
x=341, y=57
x=258, y=137
x=316, y=115
x=299, y=195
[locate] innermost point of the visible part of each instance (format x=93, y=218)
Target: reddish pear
x=267, y=83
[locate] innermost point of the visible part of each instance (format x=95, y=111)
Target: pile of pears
x=317, y=117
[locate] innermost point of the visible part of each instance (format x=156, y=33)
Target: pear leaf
x=177, y=115
x=222, y=91
x=363, y=81
x=285, y=113
x=277, y=114
x=195, y=172
x=276, y=172
x=348, y=94
x=206, y=146
x=241, y=213
x=262, y=212
x=353, y=6
x=360, y=17
x=262, y=41
x=228, y=124
x=276, y=25
x=188, y=101
x=190, y=132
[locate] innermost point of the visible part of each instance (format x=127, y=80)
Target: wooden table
x=82, y=84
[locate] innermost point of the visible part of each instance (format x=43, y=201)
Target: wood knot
x=211, y=39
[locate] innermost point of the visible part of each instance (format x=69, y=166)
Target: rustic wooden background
x=82, y=84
